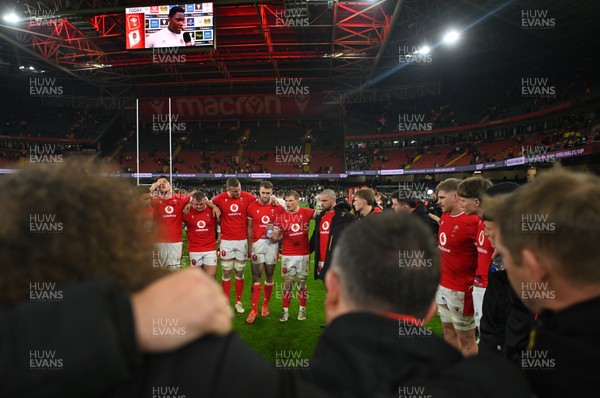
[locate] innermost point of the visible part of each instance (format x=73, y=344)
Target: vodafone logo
x=481, y=238
x=325, y=226
x=443, y=239
x=201, y=224
x=295, y=227
x=169, y=209
x=234, y=208
x=265, y=219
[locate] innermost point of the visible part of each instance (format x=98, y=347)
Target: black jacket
x=341, y=219
x=505, y=321
x=421, y=212
x=372, y=356
x=563, y=360
x=89, y=333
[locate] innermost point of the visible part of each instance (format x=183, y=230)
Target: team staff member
x=292, y=227
x=547, y=233
x=406, y=202
x=470, y=191
x=456, y=242
x=201, y=233
x=264, y=253
x=329, y=224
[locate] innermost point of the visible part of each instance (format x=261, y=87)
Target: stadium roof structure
x=349, y=48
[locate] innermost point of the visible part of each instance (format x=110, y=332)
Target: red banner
x=252, y=106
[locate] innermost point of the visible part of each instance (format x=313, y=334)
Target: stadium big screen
x=151, y=26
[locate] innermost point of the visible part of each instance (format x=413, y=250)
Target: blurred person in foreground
x=547, y=233
x=79, y=285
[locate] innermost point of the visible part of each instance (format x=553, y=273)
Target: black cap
x=501, y=188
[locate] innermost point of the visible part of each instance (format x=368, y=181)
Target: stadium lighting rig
x=11, y=17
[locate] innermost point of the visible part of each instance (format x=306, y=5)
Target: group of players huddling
x=250, y=228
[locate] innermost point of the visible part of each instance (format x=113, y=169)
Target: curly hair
x=63, y=224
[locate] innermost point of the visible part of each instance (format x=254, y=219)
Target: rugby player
x=233, y=247
x=470, y=191
x=201, y=233
x=168, y=213
x=292, y=227
x=456, y=242
x=264, y=252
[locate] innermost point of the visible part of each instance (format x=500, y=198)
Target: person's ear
x=332, y=285
x=536, y=268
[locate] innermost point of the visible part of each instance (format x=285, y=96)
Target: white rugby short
x=264, y=251
x=456, y=308
x=234, y=249
x=203, y=258
x=292, y=266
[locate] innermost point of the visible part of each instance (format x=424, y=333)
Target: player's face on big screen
x=176, y=22
x=265, y=195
